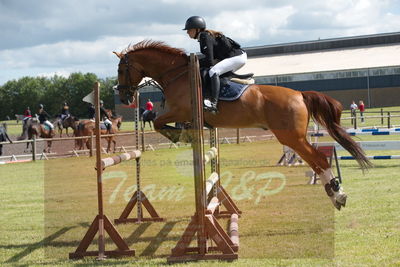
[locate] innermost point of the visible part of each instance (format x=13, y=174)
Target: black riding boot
x=211, y=105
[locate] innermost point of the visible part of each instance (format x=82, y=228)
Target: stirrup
x=210, y=106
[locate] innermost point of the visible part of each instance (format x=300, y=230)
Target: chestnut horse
x=284, y=111
x=86, y=128
x=33, y=127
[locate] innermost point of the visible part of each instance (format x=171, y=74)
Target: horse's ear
x=119, y=55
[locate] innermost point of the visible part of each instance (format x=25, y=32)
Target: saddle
x=232, y=85
x=46, y=127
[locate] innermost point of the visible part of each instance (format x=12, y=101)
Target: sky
x=47, y=37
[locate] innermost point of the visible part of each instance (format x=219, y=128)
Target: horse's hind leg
x=319, y=163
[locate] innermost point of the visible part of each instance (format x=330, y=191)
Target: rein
x=153, y=82
x=168, y=82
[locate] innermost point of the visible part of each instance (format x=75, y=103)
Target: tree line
x=52, y=92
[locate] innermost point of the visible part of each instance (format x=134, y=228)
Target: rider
x=27, y=115
x=149, y=107
x=104, y=116
x=222, y=55
x=91, y=111
x=44, y=118
x=65, y=111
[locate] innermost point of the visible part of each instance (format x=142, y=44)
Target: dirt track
x=63, y=148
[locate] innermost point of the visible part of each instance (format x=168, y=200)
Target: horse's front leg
x=160, y=125
x=27, y=146
x=48, y=147
x=108, y=145
x=115, y=144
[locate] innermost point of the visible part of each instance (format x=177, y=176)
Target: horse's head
x=152, y=59
x=119, y=123
x=117, y=120
x=129, y=76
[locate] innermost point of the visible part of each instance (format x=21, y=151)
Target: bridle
x=160, y=84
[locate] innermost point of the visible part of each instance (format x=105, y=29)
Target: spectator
x=361, y=107
x=353, y=109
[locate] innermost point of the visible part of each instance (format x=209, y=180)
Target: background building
x=354, y=68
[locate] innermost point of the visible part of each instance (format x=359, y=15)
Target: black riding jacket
x=103, y=114
x=91, y=111
x=43, y=116
x=215, y=50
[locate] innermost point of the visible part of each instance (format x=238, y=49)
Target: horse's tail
x=59, y=124
x=327, y=111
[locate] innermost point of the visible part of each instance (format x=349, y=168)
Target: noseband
x=130, y=87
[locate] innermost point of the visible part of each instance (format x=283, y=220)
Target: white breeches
x=228, y=64
x=107, y=122
x=49, y=124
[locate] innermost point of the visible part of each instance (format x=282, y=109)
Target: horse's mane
x=151, y=44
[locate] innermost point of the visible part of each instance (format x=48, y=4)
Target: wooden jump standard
x=209, y=195
x=138, y=197
x=101, y=223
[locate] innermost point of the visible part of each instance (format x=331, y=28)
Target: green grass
x=47, y=206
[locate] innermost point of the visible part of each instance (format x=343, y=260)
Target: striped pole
x=370, y=157
x=361, y=133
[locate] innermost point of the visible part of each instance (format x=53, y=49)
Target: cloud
x=48, y=36
x=251, y=25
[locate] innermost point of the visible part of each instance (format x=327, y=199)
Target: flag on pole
x=89, y=98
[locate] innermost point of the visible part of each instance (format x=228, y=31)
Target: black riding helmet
x=195, y=22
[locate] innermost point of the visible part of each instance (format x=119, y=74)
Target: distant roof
x=369, y=51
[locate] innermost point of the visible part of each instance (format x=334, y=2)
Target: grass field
x=47, y=206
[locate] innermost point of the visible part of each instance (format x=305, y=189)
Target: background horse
x=87, y=128
x=148, y=117
x=33, y=127
x=284, y=111
x=68, y=122
x=3, y=137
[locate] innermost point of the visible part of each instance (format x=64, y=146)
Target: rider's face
x=192, y=33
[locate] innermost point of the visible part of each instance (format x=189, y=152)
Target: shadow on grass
x=32, y=247
x=159, y=239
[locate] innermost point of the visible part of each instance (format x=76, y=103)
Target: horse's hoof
x=337, y=206
x=341, y=199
